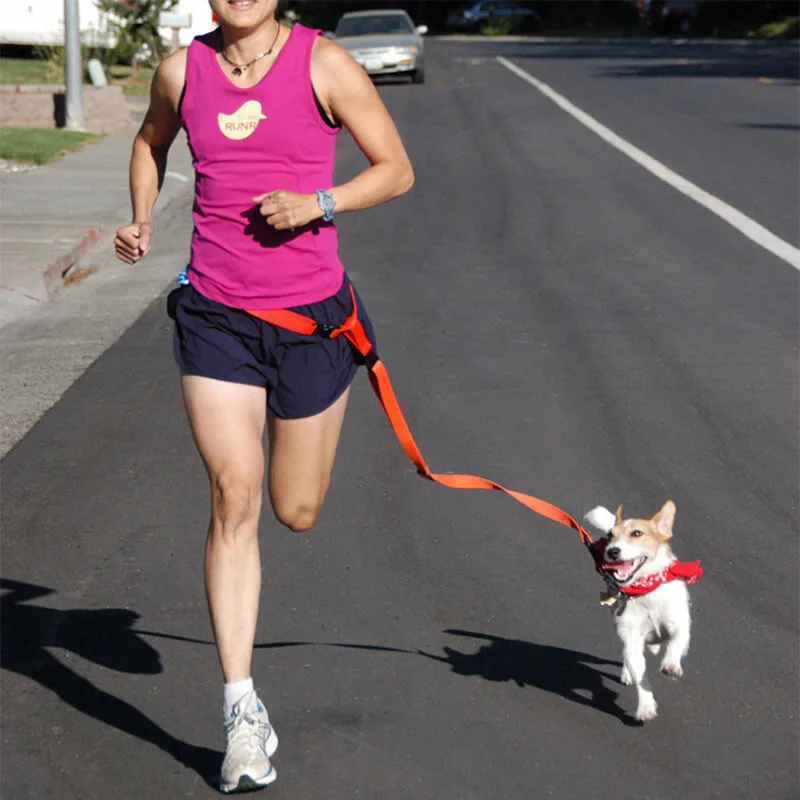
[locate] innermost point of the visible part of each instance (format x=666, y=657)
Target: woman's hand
x=132, y=242
x=286, y=211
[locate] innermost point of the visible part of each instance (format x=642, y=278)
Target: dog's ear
x=664, y=519
x=601, y=518
x=619, y=514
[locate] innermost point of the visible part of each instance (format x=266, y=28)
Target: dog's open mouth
x=623, y=571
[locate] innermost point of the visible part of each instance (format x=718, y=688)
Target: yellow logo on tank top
x=242, y=122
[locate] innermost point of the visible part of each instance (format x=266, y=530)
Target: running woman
x=261, y=105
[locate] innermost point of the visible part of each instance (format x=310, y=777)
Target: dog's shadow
x=102, y=636
x=568, y=673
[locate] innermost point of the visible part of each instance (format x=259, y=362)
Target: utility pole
x=73, y=67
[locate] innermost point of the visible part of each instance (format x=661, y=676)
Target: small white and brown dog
x=647, y=586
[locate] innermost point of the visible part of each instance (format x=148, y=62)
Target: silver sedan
x=384, y=42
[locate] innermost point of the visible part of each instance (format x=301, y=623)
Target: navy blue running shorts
x=303, y=375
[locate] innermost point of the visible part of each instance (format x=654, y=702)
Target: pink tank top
x=245, y=142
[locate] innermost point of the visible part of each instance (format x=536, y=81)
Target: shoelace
x=236, y=729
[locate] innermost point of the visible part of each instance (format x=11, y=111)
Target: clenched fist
x=132, y=242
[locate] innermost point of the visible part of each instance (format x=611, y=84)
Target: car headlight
x=408, y=50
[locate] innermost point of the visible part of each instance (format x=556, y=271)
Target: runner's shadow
x=567, y=673
x=102, y=636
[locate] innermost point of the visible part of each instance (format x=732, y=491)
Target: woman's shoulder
x=327, y=53
x=171, y=73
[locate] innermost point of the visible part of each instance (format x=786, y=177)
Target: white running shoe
x=251, y=740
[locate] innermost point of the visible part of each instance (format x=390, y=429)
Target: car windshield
x=369, y=26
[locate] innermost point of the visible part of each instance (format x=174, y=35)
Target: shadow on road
x=567, y=673
x=772, y=62
x=102, y=636
x=106, y=637
x=769, y=126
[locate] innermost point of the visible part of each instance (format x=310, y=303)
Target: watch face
x=326, y=203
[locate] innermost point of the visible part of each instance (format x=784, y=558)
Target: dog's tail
x=601, y=518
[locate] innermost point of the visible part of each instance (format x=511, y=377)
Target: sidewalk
x=54, y=218
x=59, y=220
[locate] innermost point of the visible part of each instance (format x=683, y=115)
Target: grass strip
x=28, y=70
x=47, y=72
x=40, y=145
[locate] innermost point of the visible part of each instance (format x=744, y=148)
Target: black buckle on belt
x=325, y=331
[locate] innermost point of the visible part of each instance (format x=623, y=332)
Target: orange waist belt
x=353, y=331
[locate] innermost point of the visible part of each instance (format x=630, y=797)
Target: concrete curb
x=56, y=271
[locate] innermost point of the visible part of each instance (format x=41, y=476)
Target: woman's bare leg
x=227, y=420
x=302, y=452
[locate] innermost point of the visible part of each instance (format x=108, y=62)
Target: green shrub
x=510, y=26
x=787, y=28
x=134, y=24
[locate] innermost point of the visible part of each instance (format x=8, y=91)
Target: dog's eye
x=636, y=534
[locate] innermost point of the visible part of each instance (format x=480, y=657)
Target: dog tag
x=608, y=598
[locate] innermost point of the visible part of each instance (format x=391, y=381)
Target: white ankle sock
x=232, y=693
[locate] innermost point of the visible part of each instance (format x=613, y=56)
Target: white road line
x=744, y=224
x=177, y=176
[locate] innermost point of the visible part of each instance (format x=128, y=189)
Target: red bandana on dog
x=675, y=570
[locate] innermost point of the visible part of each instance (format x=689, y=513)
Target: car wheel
x=418, y=76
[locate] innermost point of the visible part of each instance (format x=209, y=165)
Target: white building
x=42, y=22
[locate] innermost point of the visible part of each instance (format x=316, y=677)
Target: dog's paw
x=647, y=710
x=673, y=670
x=655, y=649
x=625, y=677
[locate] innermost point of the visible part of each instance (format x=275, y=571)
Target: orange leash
x=353, y=331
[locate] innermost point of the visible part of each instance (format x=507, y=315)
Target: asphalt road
x=553, y=317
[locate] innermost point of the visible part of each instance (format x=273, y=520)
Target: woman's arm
x=348, y=92
x=349, y=96
x=149, y=156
